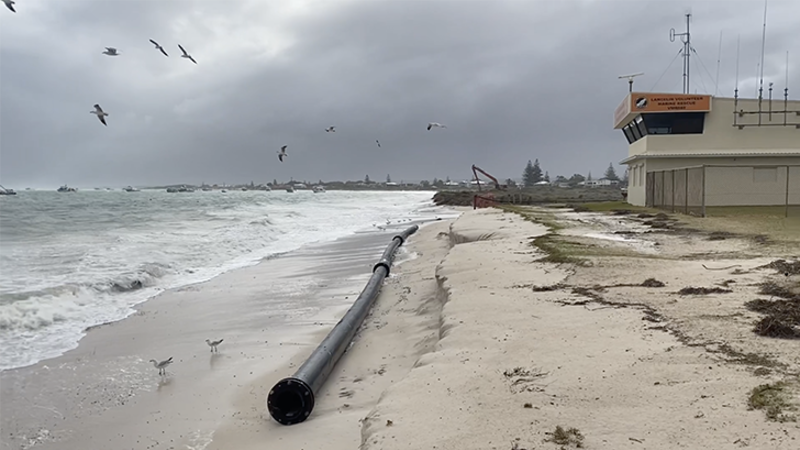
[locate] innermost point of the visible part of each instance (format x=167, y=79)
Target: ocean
x=70, y=261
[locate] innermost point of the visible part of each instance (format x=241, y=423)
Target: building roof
x=727, y=154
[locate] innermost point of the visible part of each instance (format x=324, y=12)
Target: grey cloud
x=512, y=80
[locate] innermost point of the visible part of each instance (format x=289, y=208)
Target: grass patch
x=565, y=437
x=773, y=399
x=544, y=218
x=613, y=206
x=558, y=252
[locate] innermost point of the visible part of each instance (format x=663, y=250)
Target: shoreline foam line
x=292, y=399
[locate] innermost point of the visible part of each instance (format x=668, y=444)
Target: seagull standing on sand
x=214, y=344
x=330, y=129
x=10, y=4
x=162, y=366
x=158, y=47
x=378, y=142
x=111, y=51
x=435, y=124
x=186, y=55
x=282, y=153
x=100, y=114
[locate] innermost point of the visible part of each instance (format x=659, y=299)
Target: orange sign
x=650, y=102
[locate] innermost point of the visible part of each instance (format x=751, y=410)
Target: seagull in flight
x=111, y=51
x=186, y=55
x=162, y=366
x=435, y=124
x=282, y=153
x=158, y=47
x=10, y=4
x=379, y=143
x=330, y=129
x=100, y=114
x=214, y=344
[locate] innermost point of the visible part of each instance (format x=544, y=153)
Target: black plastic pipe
x=291, y=400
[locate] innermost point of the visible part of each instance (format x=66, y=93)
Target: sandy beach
x=533, y=329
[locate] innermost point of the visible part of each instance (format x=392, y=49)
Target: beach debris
x=389, y=423
x=282, y=153
x=552, y=287
x=214, y=344
x=783, y=266
x=560, y=436
x=721, y=268
x=100, y=114
x=186, y=55
x=111, y=51
x=330, y=129
x=691, y=290
x=435, y=125
x=158, y=47
x=652, y=282
x=161, y=366
x=782, y=318
x=528, y=405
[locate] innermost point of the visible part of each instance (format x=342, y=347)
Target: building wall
x=719, y=134
x=742, y=182
x=636, y=183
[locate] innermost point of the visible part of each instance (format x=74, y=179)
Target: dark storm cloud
x=513, y=81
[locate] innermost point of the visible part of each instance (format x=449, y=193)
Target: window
x=674, y=123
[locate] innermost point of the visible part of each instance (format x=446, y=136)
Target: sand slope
x=512, y=364
x=403, y=323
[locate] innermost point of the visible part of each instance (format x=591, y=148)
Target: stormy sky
x=512, y=80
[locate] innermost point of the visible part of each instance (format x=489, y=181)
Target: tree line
x=532, y=174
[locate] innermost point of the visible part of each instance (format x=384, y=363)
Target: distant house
x=600, y=182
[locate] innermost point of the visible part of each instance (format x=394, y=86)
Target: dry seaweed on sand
x=691, y=290
x=782, y=318
x=568, y=437
x=783, y=267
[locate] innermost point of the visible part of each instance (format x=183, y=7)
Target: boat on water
x=318, y=189
x=6, y=191
x=183, y=188
x=66, y=188
x=289, y=189
x=130, y=189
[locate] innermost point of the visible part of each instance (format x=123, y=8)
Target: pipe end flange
x=290, y=401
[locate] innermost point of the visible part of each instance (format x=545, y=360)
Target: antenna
x=736, y=89
x=761, y=73
x=786, y=90
x=630, y=79
x=719, y=57
x=686, y=52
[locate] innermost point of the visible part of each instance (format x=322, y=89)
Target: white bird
x=100, y=114
x=10, y=4
x=435, y=124
x=214, y=344
x=158, y=47
x=186, y=55
x=329, y=129
x=282, y=153
x=111, y=51
x=161, y=366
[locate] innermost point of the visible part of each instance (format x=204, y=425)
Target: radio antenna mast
x=719, y=57
x=786, y=90
x=686, y=51
x=761, y=74
x=630, y=79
